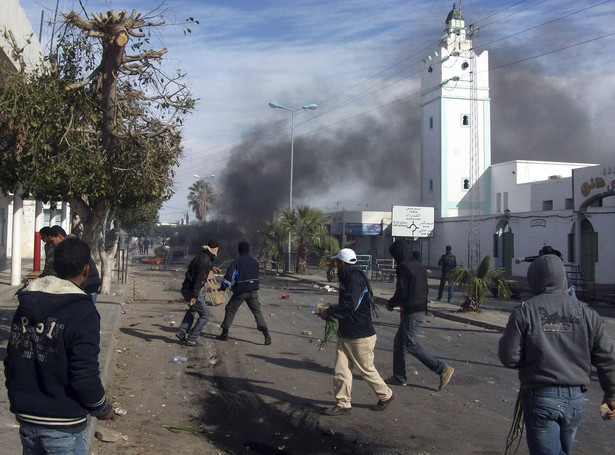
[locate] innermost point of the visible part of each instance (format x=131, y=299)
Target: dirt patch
x=193, y=406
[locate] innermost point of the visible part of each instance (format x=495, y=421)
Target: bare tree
x=99, y=126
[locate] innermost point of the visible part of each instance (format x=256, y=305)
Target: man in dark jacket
x=448, y=262
x=356, y=338
x=242, y=276
x=411, y=295
x=195, y=279
x=553, y=339
x=91, y=285
x=51, y=367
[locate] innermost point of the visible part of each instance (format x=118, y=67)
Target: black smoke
x=374, y=157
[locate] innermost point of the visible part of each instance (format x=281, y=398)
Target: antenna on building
x=475, y=193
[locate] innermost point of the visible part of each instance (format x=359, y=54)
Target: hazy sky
x=552, y=91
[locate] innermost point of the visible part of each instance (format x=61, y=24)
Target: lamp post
x=292, y=144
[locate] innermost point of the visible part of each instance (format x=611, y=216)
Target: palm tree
x=307, y=225
x=200, y=198
x=272, y=241
x=478, y=284
x=328, y=248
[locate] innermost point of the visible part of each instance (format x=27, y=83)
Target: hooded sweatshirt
x=553, y=338
x=411, y=288
x=51, y=367
x=354, y=305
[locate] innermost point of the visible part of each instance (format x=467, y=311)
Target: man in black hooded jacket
x=195, y=279
x=411, y=295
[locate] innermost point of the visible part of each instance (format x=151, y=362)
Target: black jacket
x=92, y=282
x=242, y=274
x=448, y=262
x=51, y=367
x=354, y=306
x=196, y=275
x=411, y=287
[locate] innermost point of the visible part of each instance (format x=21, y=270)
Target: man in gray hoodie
x=553, y=339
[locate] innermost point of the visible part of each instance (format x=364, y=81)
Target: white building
x=522, y=205
x=21, y=219
x=517, y=207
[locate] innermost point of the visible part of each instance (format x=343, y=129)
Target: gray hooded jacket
x=553, y=338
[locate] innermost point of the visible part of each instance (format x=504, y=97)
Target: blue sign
x=363, y=229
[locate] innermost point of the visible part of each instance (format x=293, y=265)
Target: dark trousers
x=251, y=298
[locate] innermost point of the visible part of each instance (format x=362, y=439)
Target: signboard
x=412, y=221
x=592, y=183
x=363, y=229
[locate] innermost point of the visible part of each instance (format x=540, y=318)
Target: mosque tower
x=455, y=124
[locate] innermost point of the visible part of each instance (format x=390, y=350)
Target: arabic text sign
x=412, y=221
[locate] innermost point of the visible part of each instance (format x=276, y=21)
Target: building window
x=465, y=184
x=431, y=123
x=498, y=203
x=430, y=185
x=505, y=201
x=569, y=203
x=547, y=205
x=596, y=203
x=465, y=120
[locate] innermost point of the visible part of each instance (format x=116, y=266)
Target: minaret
x=446, y=122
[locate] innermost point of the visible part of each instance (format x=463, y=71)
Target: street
x=250, y=398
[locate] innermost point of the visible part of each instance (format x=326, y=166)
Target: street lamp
x=292, y=143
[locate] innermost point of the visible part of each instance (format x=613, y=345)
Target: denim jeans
x=407, y=340
x=37, y=440
x=552, y=416
x=191, y=313
x=443, y=280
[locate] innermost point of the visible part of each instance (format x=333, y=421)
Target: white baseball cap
x=346, y=255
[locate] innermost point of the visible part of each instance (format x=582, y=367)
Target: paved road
x=472, y=415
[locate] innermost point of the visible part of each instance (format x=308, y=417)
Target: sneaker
x=191, y=343
x=337, y=411
x=181, y=336
x=267, y=337
x=223, y=336
x=393, y=380
x=383, y=404
x=446, y=376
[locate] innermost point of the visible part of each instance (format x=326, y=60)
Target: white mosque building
x=506, y=210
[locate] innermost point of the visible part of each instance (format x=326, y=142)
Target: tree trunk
x=107, y=259
x=302, y=254
x=94, y=224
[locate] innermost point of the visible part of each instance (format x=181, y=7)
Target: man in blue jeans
x=553, y=339
x=411, y=295
x=195, y=279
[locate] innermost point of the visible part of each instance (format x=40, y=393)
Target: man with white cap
x=196, y=275
x=356, y=336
